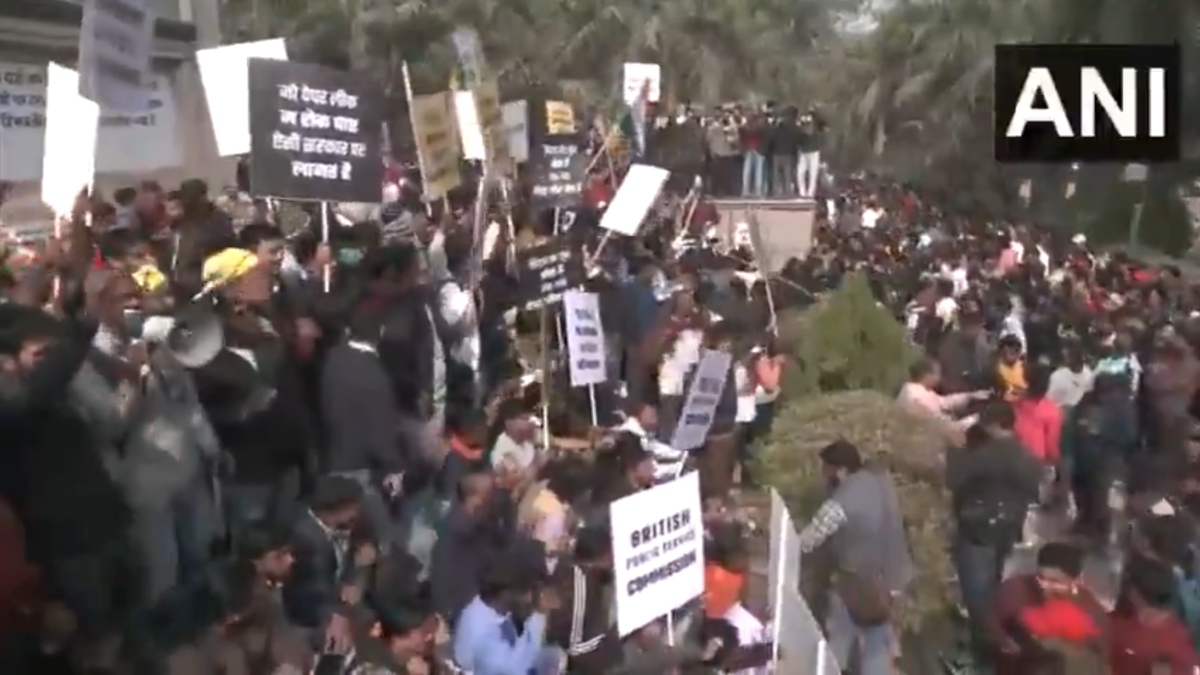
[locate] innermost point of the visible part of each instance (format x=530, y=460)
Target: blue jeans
x=754, y=169
x=175, y=539
x=980, y=568
x=875, y=642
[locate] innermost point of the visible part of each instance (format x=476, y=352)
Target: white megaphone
x=193, y=336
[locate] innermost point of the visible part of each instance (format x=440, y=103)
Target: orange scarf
x=462, y=449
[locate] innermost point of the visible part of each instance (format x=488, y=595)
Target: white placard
x=126, y=143
x=224, y=70
x=702, y=399
x=635, y=76
x=658, y=551
x=69, y=159
x=470, y=134
x=470, y=56
x=585, y=338
x=516, y=125
x=115, y=43
x=634, y=198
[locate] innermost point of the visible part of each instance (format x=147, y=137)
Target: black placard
x=545, y=271
x=314, y=134
x=558, y=167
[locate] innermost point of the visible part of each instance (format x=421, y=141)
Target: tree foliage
x=848, y=342
x=906, y=84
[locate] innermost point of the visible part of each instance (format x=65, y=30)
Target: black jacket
x=258, y=412
x=407, y=350
x=359, y=413
x=1000, y=476
x=313, y=591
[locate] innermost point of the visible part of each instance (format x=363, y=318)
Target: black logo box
x=1040, y=142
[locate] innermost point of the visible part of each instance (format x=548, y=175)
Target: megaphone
x=193, y=336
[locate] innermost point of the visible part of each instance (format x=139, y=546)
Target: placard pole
x=508, y=219
x=600, y=246
x=326, y=271
x=546, y=378
x=763, y=271
x=592, y=401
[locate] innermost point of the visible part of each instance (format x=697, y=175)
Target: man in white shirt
x=871, y=216
x=1072, y=380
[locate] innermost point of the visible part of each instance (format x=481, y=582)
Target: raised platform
x=784, y=225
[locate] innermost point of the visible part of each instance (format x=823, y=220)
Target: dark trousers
x=717, y=460
x=980, y=567
x=1091, y=481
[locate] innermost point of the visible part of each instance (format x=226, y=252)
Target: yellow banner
x=433, y=128
x=560, y=118
x=491, y=123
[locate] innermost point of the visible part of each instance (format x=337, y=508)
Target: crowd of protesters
x=1070, y=378
x=234, y=447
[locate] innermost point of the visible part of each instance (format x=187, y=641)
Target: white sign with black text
x=115, y=43
x=585, y=338
x=658, y=551
x=702, y=399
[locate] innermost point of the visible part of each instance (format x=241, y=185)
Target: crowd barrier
x=800, y=645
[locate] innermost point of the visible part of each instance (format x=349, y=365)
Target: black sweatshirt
x=359, y=413
x=63, y=491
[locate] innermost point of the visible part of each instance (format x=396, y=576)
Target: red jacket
x=1039, y=428
x=1136, y=646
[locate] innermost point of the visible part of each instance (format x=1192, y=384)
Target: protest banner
x=637, y=194
x=315, y=134
x=546, y=271
x=557, y=157
x=116, y=39
x=433, y=128
x=126, y=143
x=69, y=158
x=585, y=338
x=658, y=551
x=224, y=72
x=516, y=125
x=702, y=398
